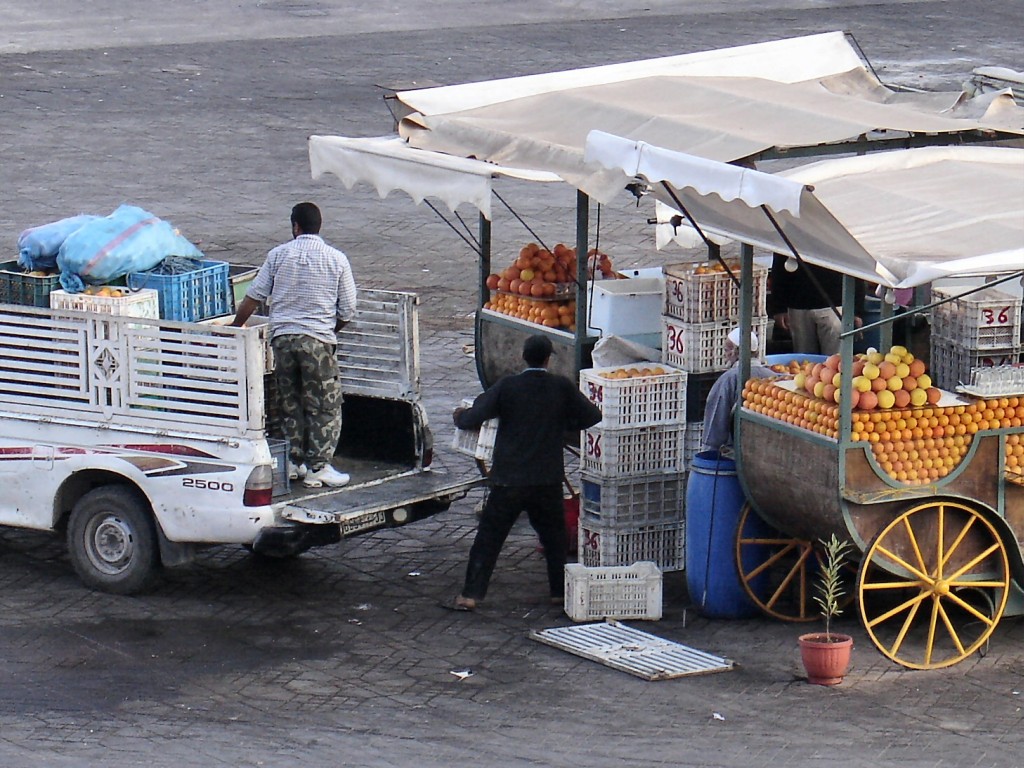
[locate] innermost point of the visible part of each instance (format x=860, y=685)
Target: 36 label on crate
x=996, y=316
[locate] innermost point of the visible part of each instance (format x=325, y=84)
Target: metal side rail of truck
x=143, y=440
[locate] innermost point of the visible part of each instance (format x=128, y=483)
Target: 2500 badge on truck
x=147, y=439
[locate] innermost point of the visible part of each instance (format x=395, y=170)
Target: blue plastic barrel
x=714, y=502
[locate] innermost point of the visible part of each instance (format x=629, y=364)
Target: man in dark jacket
x=534, y=409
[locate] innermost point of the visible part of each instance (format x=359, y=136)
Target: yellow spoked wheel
x=933, y=585
x=778, y=571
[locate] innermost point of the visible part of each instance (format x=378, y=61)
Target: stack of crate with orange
x=633, y=483
x=702, y=306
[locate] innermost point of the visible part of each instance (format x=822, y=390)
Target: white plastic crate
x=663, y=545
x=144, y=303
x=987, y=319
x=700, y=347
x=951, y=363
x=645, y=400
x=692, y=440
x=704, y=298
x=478, y=443
x=629, y=502
x=636, y=451
x=613, y=592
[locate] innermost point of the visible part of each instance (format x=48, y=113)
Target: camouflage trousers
x=309, y=395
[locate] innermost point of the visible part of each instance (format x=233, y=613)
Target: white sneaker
x=296, y=472
x=327, y=475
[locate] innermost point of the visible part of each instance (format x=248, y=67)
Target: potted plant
x=826, y=655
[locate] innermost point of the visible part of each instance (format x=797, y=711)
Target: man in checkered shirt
x=312, y=295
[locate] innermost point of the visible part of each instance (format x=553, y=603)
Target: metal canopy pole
x=484, y=235
x=846, y=355
x=746, y=309
x=484, y=250
x=582, y=234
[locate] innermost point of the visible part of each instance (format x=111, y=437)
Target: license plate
x=363, y=522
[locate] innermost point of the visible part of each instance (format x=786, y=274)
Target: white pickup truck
x=145, y=439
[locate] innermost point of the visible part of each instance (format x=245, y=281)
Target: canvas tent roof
x=389, y=163
x=726, y=105
x=901, y=218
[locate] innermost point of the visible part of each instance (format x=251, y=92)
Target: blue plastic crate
x=189, y=296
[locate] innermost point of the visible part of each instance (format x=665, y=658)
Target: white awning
x=723, y=105
x=388, y=163
x=785, y=61
x=901, y=218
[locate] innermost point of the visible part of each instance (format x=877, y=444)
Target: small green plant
x=830, y=584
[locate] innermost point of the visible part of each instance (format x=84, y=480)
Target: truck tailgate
x=366, y=505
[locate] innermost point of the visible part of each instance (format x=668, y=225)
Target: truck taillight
x=259, y=488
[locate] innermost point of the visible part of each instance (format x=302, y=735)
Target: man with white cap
x=725, y=394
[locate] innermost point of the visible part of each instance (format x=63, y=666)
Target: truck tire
x=112, y=540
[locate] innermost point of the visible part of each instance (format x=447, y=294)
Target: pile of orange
x=537, y=287
x=914, y=446
x=1015, y=458
x=796, y=408
x=106, y=291
x=551, y=314
x=717, y=266
x=536, y=271
x=922, y=445
x=633, y=372
x=793, y=367
x=895, y=379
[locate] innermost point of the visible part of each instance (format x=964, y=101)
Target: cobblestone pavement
x=344, y=656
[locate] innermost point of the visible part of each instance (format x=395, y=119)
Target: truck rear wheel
x=112, y=540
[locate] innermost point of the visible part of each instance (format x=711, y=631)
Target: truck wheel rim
x=110, y=544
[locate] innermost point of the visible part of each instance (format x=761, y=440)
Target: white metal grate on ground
x=630, y=650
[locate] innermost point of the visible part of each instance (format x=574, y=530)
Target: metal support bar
x=521, y=221
x=467, y=238
x=911, y=311
x=796, y=255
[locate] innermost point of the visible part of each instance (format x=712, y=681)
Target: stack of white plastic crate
x=702, y=305
x=979, y=330
x=633, y=478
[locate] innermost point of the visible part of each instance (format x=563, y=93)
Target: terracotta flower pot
x=826, y=660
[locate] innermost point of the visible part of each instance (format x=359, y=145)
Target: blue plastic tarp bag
x=38, y=246
x=128, y=240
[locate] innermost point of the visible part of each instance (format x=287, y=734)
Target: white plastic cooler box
x=630, y=308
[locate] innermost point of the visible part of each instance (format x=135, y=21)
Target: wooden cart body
x=811, y=486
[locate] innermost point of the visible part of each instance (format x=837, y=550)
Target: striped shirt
x=309, y=286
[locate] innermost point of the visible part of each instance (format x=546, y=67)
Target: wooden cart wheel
x=933, y=585
x=777, y=571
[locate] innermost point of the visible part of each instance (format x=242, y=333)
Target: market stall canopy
x=902, y=218
x=388, y=163
x=730, y=105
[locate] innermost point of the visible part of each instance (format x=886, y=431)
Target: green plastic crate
x=241, y=277
x=19, y=287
